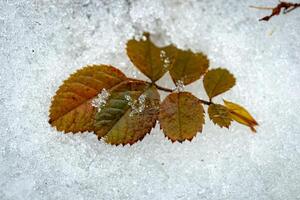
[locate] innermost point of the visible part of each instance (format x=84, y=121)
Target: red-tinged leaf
x=241, y=115
x=71, y=109
x=130, y=113
x=147, y=57
x=187, y=66
x=219, y=115
x=218, y=81
x=181, y=116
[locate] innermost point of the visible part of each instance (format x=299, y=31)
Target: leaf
x=187, y=66
x=147, y=57
x=217, y=81
x=220, y=115
x=121, y=123
x=240, y=115
x=71, y=109
x=181, y=116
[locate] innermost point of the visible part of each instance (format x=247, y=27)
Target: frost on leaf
x=101, y=99
x=137, y=106
x=219, y=115
x=148, y=57
x=187, y=66
x=165, y=59
x=240, y=115
x=218, y=81
x=71, y=109
x=130, y=113
x=181, y=116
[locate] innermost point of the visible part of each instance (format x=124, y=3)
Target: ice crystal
x=166, y=60
x=144, y=38
x=101, y=99
x=137, y=106
x=179, y=86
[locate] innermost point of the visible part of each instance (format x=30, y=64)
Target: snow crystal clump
x=101, y=99
x=144, y=38
x=140, y=37
x=137, y=106
x=179, y=86
x=166, y=60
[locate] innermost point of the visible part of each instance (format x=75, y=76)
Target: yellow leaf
x=130, y=113
x=219, y=115
x=187, y=66
x=147, y=57
x=217, y=81
x=181, y=116
x=240, y=115
x=71, y=109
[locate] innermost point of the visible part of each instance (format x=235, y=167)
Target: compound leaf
x=129, y=114
x=217, y=81
x=240, y=115
x=181, y=116
x=187, y=66
x=147, y=57
x=71, y=109
x=220, y=115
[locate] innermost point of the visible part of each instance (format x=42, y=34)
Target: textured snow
x=43, y=41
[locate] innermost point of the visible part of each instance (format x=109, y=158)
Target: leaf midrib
x=217, y=83
x=125, y=113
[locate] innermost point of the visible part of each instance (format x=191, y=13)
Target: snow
x=43, y=41
x=179, y=86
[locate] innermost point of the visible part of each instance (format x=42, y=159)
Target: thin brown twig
x=170, y=90
x=261, y=8
x=163, y=88
x=286, y=6
x=206, y=102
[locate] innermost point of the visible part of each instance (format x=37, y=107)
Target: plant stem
x=170, y=90
x=206, y=102
x=285, y=6
x=261, y=8
x=163, y=88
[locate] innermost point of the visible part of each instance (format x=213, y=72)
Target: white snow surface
x=43, y=41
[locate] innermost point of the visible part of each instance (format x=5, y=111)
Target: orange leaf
x=241, y=115
x=71, y=109
x=181, y=116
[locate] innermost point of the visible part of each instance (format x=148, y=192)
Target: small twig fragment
x=285, y=6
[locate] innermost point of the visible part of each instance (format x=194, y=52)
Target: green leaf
x=217, y=81
x=220, y=115
x=71, y=109
x=241, y=115
x=147, y=57
x=129, y=114
x=181, y=116
x=187, y=66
